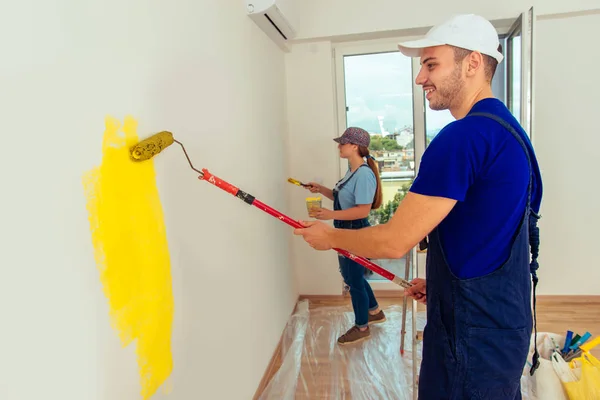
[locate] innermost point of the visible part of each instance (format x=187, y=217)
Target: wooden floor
x=556, y=314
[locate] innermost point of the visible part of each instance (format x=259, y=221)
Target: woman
x=354, y=196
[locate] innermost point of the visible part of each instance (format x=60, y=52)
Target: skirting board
x=275, y=360
x=270, y=371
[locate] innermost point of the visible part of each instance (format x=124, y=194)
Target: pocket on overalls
x=436, y=338
x=495, y=360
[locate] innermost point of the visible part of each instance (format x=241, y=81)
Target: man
x=477, y=196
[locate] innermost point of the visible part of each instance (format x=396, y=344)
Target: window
x=378, y=97
x=434, y=122
x=514, y=73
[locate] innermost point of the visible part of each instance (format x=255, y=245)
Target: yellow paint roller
x=148, y=148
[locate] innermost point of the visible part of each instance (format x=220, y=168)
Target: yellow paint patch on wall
x=131, y=252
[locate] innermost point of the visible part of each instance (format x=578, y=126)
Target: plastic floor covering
x=314, y=366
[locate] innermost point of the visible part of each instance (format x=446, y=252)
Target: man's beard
x=448, y=92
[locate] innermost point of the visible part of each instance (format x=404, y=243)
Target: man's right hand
x=418, y=290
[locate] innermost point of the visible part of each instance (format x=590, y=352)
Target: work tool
x=568, y=339
x=404, y=304
x=297, y=182
x=150, y=147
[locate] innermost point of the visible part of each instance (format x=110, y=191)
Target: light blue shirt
x=359, y=190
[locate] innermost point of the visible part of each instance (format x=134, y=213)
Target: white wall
x=567, y=229
x=567, y=143
x=311, y=155
x=325, y=18
x=202, y=70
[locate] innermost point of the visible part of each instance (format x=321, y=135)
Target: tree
x=390, y=144
x=378, y=143
x=387, y=210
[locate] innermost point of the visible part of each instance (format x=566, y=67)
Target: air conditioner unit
x=272, y=16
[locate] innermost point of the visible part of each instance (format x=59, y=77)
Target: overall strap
x=350, y=177
x=534, y=233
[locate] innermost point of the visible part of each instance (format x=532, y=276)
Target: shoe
x=377, y=318
x=354, y=335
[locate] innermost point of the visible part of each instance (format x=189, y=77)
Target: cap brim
x=340, y=140
x=413, y=48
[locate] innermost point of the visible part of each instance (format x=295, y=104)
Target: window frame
x=341, y=50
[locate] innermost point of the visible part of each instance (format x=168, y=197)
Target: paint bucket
x=312, y=204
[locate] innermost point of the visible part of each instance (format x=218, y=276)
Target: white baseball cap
x=467, y=31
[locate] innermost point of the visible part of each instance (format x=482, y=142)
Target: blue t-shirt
x=360, y=189
x=479, y=163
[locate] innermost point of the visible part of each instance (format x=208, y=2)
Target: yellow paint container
x=313, y=204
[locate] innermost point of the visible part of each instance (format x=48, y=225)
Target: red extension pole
x=249, y=199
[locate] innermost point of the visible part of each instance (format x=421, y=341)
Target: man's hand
x=321, y=213
x=316, y=234
x=418, y=290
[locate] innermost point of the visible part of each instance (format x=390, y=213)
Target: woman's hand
x=321, y=213
x=418, y=290
x=318, y=188
x=314, y=187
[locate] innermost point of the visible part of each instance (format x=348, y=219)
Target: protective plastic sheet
x=314, y=366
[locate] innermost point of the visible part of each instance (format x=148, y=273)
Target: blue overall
x=363, y=299
x=478, y=331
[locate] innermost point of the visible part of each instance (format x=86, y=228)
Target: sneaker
x=354, y=335
x=377, y=318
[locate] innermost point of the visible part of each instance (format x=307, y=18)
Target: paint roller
x=150, y=147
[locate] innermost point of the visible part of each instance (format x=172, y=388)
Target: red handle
x=207, y=176
x=218, y=182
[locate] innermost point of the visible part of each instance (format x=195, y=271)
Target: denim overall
x=363, y=299
x=478, y=331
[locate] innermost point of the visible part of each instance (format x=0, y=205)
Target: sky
x=381, y=85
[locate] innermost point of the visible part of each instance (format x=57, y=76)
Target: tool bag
x=557, y=379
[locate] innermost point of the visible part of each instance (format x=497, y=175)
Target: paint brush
x=574, y=340
x=297, y=182
x=580, y=341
